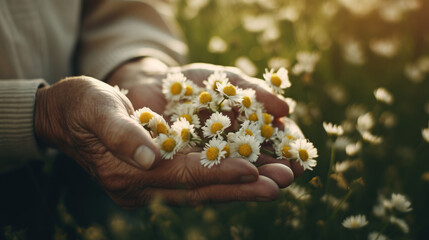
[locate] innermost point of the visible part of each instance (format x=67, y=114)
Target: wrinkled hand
x=90, y=121
x=143, y=79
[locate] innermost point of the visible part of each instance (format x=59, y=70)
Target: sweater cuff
x=17, y=137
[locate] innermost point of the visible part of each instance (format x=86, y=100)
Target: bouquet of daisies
x=198, y=118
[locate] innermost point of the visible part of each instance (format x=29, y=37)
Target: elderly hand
x=90, y=121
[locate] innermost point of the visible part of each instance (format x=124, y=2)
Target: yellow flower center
x=189, y=90
x=248, y=132
x=176, y=88
x=275, y=80
x=245, y=150
x=230, y=90
x=187, y=117
x=253, y=117
x=212, y=153
x=168, y=145
x=290, y=137
x=285, y=151
x=145, y=117
x=303, y=154
x=267, y=118
x=185, y=134
x=355, y=225
x=246, y=101
x=205, y=97
x=161, y=128
x=266, y=131
x=216, y=127
x=226, y=149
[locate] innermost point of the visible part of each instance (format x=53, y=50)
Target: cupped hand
x=143, y=79
x=90, y=121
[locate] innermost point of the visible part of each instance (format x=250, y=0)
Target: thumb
x=129, y=142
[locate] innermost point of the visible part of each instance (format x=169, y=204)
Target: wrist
x=136, y=70
x=42, y=121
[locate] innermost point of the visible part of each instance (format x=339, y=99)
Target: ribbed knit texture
x=17, y=139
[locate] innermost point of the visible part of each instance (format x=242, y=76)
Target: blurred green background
x=358, y=46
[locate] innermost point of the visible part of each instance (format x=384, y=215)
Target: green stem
x=266, y=151
x=382, y=230
x=331, y=166
x=219, y=106
x=344, y=199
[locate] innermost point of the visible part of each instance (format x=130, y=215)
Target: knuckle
x=187, y=176
x=195, y=196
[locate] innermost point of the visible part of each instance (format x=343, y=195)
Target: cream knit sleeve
x=116, y=31
x=17, y=138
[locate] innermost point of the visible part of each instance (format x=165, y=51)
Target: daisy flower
x=278, y=81
x=298, y=192
x=288, y=133
x=158, y=125
x=333, y=129
x=382, y=95
x=365, y=122
x=214, y=79
x=248, y=102
x=268, y=132
x=173, y=86
x=425, y=134
x=400, y=203
x=184, y=130
x=144, y=115
x=306, y=62
x=169, y=145
x=343, y=166
x=283, y=149
x=400, y=223
x=355, y=222
x=264, y=118
x=304, y=152
x=246, y=147
x=371, y=138
x=376, y=236
x=353, y=148
x=216, y=125
x=191, y=89
x=251, y=129
x=229, y=91
x=205, y=99
x=187, y=111
x=334, y=202
x=213, y=153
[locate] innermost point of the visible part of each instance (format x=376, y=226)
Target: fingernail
x=144, y=156
x=247, y=178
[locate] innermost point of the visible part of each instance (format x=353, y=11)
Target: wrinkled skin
x=90, y=121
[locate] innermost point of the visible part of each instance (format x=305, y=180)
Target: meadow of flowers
x=359, y=90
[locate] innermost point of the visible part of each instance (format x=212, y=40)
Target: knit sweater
x=43, y=41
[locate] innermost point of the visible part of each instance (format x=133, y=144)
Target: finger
x=296, y=168
x=188, y=172
x=279, y=173
x=264, y=189
x=128, y=141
